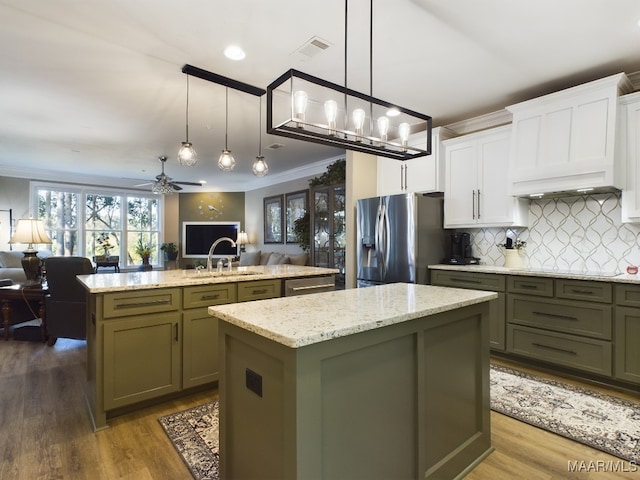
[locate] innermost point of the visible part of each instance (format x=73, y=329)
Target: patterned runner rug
x=194, y=434
x=605, y=422
x=602, y=421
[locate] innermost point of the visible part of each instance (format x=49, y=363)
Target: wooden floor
x=45, y=431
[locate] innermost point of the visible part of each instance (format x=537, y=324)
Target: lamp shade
x=243, y=238
x=30, y=231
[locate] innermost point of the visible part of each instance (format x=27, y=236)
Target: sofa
x=258, y=257
x=11, y=264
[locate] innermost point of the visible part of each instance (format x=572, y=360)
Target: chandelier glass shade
x=162, y=187
x=187, y=155
x=311, y=109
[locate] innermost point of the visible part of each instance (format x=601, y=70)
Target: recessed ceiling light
x=202, y=181
x=234, y=52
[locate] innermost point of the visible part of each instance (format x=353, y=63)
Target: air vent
x=311, y=48
x=275, y=146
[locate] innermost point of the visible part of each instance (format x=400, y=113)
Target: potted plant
x=144, y=251
x=103, y=242
x=170, y=250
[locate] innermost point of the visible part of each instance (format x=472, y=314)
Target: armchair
x=66, y=303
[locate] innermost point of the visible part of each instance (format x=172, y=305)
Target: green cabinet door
x=627, y=336
x=200, y=348
x=142, y=358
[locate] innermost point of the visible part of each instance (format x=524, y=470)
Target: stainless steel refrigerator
x=398, y=236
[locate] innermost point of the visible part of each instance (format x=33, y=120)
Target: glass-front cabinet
x=328, y=228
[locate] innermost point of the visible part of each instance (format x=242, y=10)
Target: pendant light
x=260, y=167
x=187, y=155
x=226, y=162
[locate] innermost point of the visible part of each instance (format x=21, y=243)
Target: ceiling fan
x=165, y=184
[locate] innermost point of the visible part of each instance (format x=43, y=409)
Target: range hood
x=572, y=193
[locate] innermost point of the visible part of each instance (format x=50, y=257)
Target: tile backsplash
x=582, y=234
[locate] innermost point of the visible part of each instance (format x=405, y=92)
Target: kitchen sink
x=224, y=273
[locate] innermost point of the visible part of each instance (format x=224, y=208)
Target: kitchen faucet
x=212, y=249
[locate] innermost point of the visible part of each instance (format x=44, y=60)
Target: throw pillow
x=300, y=259
x=250, y=258
x=264, y=258
x=276, y=259
x=11, y=259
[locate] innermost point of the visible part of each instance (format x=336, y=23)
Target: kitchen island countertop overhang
x=303, y=320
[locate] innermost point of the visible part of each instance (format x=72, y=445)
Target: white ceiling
x=95, y=88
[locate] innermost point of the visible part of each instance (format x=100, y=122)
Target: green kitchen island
x=386, y=382
x=149, y=334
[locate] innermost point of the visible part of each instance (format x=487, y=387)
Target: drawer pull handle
x=210, y=297
x=555, y=315
x=582, y=292
x=165, y=301
x=260, y=291
x=310, y=287
x=549, y=347
x=530, y=287
x=176, y=331
x=465, y=280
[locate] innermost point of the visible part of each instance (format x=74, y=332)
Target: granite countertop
x=537, y=272
x=307, y=319
x=118, y=282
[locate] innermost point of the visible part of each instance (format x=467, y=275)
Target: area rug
x=194, y=434
x=605, y=422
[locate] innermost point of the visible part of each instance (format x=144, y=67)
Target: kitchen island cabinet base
x=409, y=400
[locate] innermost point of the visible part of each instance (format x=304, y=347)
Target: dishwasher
x=304, y=286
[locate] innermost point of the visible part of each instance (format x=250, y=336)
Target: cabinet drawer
x=628, y=295
x=530, y=285
x=469, y=280
x=586, y=354
x=561, y=316
x=206, y=295
x=584, y=290
x=259, y=290
x=141, y=301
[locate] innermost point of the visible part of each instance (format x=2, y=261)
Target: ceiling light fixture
x=259, y=167
x=306, y=108
x=187, y=155
x=234, y=52
x=226, y=162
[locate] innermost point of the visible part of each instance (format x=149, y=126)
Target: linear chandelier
x=311, y=109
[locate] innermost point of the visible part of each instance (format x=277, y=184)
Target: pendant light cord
x=187, y=112
x=371, y=66
x=226, y=118
x=346, y=25
x=260, y=129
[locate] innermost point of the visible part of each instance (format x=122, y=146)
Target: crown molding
x=482, y=122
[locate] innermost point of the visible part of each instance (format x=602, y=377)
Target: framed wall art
x=273, y=219
x=296, y=204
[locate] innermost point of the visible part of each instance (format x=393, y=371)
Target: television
x=197, y=238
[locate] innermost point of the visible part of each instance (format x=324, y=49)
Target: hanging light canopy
x=187, y=155
x=311, y=109
x=260, y=167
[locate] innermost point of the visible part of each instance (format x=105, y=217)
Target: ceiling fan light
x=187, y=155
x=260, y=167
x=162, y=188
x=226, y=162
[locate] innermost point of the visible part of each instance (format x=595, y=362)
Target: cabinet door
x=495, y=206
x=627, y=354
x=199, y=347
x=461, y=181
x=420, y=175
x=390, y=176
x=630, y=143
x=142, y=358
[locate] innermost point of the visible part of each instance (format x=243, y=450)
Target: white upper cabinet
x=630, y=151
x=476, y=182
x=566, y=140
x=421, y=175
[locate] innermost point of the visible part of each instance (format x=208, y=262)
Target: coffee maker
x=461, y=250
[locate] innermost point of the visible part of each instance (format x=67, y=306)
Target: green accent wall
x=211, y=207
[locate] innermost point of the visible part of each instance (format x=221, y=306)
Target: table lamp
x=30, y=231
x=242, y=240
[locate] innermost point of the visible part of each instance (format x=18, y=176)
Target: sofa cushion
x=277, y=259
x=250, y=258
x=264, y=258
x=300, y=259
x=12, y=259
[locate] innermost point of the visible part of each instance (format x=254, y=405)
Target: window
x=86, y=222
